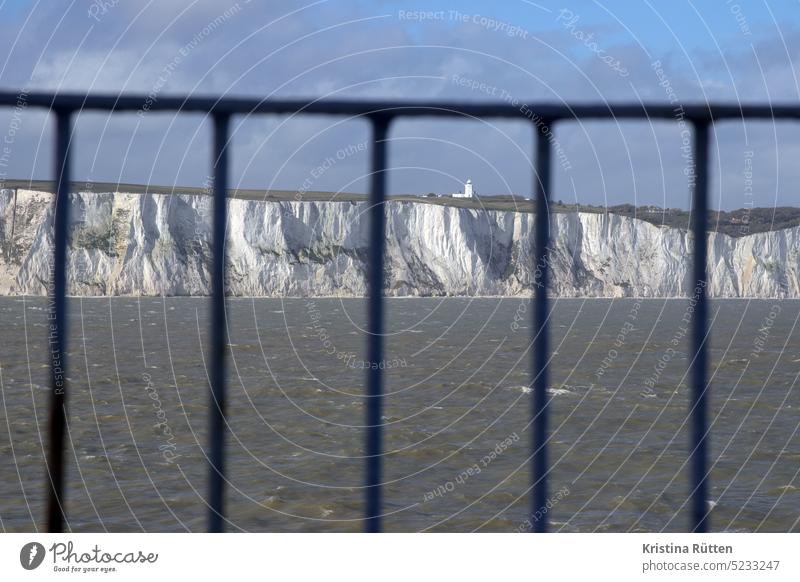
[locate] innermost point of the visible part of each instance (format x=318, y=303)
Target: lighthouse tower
x=468, y=192
x=468, y=189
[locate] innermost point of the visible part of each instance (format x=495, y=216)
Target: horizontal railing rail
x=233, y=105
x=380, y=114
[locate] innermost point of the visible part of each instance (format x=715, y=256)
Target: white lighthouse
x=468, y=192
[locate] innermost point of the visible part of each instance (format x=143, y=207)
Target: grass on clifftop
x=735, y=223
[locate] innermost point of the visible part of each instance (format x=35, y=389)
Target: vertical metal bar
x=218, y=335
x=56, y=514
x=540, y=338
x=377, y=242
x=698, y=457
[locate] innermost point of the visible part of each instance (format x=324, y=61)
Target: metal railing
x=380, y=115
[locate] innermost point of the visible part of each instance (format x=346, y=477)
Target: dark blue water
x=456, y=416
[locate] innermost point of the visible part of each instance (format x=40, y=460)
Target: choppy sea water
x=457, y=413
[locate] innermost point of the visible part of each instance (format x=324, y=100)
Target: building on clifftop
x=468, y=192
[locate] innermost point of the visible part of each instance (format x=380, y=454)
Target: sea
x=456, y=417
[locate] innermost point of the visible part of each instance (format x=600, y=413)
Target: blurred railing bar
x=554, y=112
x=375, y=315
x=698, y=456
x=217, y=404
x=56, y=513
x=540, y=331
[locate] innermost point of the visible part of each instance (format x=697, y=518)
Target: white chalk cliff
x=131, y=244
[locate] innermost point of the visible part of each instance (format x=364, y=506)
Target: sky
x=571, y=51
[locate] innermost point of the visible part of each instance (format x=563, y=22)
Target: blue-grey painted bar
x=540, y=337
x=552, y=111
x=216, y=514
x=377, y=242
x=56, y=513
x=698, y=457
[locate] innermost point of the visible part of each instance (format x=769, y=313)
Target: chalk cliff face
x=130, y=244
